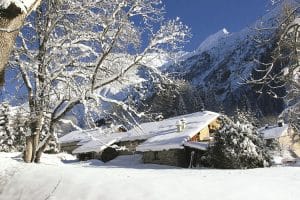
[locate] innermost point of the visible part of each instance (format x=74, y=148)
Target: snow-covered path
x=134, y=181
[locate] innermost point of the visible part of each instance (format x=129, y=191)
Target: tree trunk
x=32, y=153
x=39, y=155
x=11, y=20
x=28, y=149
x=41, y=150
x=33, y=140
x=36, y=139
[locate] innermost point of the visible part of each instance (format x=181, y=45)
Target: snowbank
x=7, y=168
x=126, y=178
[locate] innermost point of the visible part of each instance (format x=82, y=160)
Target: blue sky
x=206, y=17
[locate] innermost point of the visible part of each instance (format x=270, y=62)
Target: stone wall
x=68, y=147
x=89, y=156
x=86, y=156
x=173, y=157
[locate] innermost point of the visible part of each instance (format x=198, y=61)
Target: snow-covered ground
x=62, y=177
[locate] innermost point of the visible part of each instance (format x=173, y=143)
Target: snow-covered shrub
x=245, y=116
x=12, y=129
x=238, y=146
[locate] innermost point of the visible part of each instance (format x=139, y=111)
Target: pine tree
x=181, y=108
x=5, y=135
x=174, y=99
x=12, y=135
x=245, y=116
x=193, y=98
x=18, y=124
x=238, y=146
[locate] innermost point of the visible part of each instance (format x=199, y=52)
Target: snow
x=7, y=169
x=167, y=135
x=197, y=145
x=96, y=140
x=126, y=178
x=274, y=132
x=24, y=5
x=95, y=145
x=83, y=135
x=212, y=40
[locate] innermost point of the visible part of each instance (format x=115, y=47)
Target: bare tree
x=69, y=51
x=281, y=71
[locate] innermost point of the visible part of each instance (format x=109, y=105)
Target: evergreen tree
x=238, y=146
x=181, y=108
x=172, y=99
x=11, y=130
x=5, y=139
x=245, y=116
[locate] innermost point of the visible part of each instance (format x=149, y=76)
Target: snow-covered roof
x=96, y=141
x=274, y=132
x=95, y=145
x=102, y=141
x=167, y=135
x=197, y=145
x=79, y=135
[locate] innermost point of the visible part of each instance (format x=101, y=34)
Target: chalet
x=283, y=135
x=277, y=133
x=180, y=141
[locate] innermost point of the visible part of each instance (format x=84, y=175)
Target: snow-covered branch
x=279, y=76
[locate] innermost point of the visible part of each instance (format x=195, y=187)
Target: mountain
x=217, y=68
x=222, y=63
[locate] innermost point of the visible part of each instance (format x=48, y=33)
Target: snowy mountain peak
x=211, y=40
x=224, y=30
x=224, y=60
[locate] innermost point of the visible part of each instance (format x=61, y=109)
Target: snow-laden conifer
x=238, y=146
